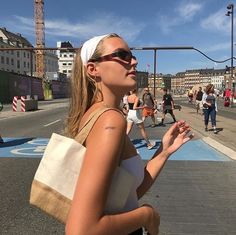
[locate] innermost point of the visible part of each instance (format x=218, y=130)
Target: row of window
x=69, y=63
x=25, y=54
x=66, y=71
x=11, y=62
x=66, y=55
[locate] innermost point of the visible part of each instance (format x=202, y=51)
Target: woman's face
x=118, y=69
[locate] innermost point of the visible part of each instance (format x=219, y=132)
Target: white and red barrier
x=22, y=98
x=14, y=103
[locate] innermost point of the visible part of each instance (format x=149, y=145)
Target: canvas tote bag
x=54, y=183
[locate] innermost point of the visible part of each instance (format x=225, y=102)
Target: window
x=64, y=71
x=12, y=61
x=2, y=59
x=18, y=64
x=18, y=54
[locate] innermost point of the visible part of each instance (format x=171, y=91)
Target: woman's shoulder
x=112, y=117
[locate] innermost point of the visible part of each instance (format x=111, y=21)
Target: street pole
x=230, y=8
x=155, y=62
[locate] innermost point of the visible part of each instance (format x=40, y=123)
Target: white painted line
x=220, y=147
x=51, y=123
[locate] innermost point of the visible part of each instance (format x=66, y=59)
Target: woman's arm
x=102, y=156
x=174, y=138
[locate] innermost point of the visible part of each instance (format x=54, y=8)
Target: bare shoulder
x=113, y=118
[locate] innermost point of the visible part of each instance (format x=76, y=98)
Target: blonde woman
x=105, y=70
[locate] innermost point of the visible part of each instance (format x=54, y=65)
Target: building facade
x=66, y=58
x=17, y=61
x=22, y=61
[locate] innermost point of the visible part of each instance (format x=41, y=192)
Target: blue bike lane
x=194, y=150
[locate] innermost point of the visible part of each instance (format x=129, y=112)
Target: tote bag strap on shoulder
x=84, y=131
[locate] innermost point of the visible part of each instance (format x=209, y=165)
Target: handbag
x=55, y=180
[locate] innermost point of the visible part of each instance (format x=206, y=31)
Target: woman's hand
x=176, y=136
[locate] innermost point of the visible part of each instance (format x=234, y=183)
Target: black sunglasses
x=124, y=55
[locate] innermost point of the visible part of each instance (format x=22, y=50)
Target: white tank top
x=135, y=166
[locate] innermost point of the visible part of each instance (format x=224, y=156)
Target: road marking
x=51, y=123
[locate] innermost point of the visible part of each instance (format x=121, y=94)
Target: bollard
x=22, y=103
x=14, y=103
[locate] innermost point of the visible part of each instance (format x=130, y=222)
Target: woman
x=135, y=117
x=209, y=107
x=104, y=70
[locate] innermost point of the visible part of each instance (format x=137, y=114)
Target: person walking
x=148, y=106
x=135, y=117
x=168, y=106
x=209, y=107
x=199, y=99
x=104, y=70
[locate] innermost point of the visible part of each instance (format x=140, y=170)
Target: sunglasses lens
x=125, y=55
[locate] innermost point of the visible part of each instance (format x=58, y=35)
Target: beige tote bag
x=54, y=183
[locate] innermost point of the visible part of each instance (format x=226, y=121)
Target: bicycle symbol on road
x=36, y=148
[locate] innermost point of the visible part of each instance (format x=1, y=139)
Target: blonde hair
x=84, y=90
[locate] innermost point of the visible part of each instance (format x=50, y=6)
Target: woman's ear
x=92, y=70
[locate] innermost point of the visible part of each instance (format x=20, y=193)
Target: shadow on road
x=15, y=142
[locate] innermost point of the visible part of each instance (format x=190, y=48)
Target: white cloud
x=184, y=13
x=217, y=22
x=103, y=23
x=217, y=47
x=188, y=10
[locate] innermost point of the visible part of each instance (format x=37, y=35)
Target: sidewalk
x=224, y=141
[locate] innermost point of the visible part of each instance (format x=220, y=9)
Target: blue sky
x=198, y=23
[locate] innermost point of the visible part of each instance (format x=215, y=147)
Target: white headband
x=89, y=47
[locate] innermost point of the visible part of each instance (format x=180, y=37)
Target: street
x=195, y=193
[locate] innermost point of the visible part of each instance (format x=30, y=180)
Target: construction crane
x=40, y=37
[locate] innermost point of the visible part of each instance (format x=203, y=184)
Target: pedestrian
x=209, y=107
x=190, y=96
x=104, y=70
x=134, y=117
x=148, y=106
x=168, y=106
x=199, y=99
x=125, y=107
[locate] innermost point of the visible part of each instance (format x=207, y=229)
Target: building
x=51, y=61
x=177, y=83
x=66, y=58
x=17, y=61
x=217, y=78
x=22, y=61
